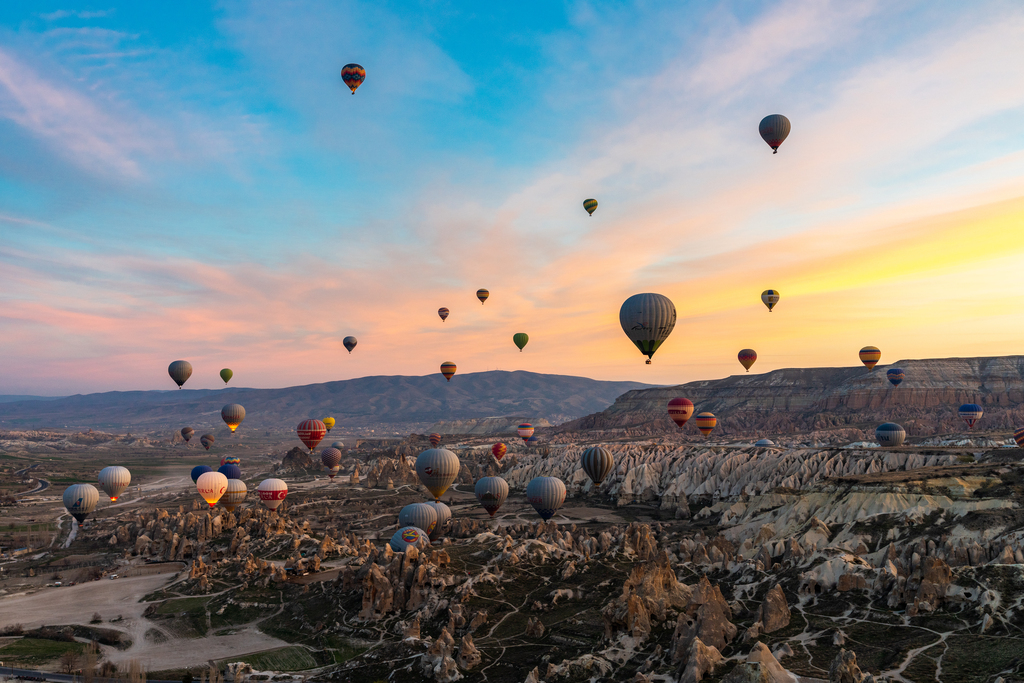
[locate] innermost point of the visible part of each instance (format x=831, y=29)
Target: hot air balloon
x=520, y=339
x=648, y=320
x=1018, y=436
x=763, y=443
x=895, y=376
x=329, y=423
x=482, y=294
x=491, y=492
x=311, y=432
x=186, y=433
x=499, y=450
x=448, y=370
x=80, y=500
x=525, y=431
x=747, y=358
x=234, y=495
x=198, y=471
x=437, y=469
x=546, y=495
x=226, y=374
x=419, y=515
x=970, y=413
x=869, y=356
x=444, y=516
x=409, y=537
x=211, y=486
x=774, y=129
x=680, y=410
x=597, y=462
x=272, y=493
x=232, y=414
x=207, y=440
x=340, y=445
x=770, y=297
x=590, y=205
x=443, y=312
x=349, y=343
x=706, y=422
x=353, y=75
x=231, y=471
x=114, y=480
x=890, y=435
x=230, y=460
x=331, y=458
x=180, y=371
x=435, y=440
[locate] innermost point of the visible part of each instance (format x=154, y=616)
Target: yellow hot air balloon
x=328, y=422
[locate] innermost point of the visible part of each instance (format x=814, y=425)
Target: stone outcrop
x=700, y=660
x=774, y=613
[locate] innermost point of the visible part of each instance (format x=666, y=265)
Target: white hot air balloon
x=419, y=515
x=211, y=486
x=546, y=495
x=647, y=319
x=437, y=469
x=114, y=480
x=444, y=516
x=80, y=500
x=491, y=493
x=272, y=493
x=407, y=537
x=235, y=495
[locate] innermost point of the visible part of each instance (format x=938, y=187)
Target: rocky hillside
x=824, y=400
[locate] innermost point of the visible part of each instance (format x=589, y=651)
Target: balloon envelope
x=114, y=480
x=482, y=294
x=706, y=422
x=211, y=486
x=764, y=442
x=435, y=440
x=525, y=431
x=199, y=470
x=234, y=495
x=226, y=374
x=444, y=516
x=499, y=450
x=970, y=413
x=331, y=458
x=207, y=440
x=769, y=298
x=680, y=410
x=353, y=75
x=747, y=358
x=520, y=339
x=80, y=500
x=311, y=432
x=419, y=515
x=230, y=471
x=597, y=462
x=180, y=371
x=232, y=414
x=407, y=537
x=895, y=376
x=869, y=356
x=1018, y=436
x=546, y=495
x=437, y=469
x=890, y=435
x=774, y=129
x=647, y=319
x=491, y=492
x=230, y=460
x=448, y=369
x=443, y=312
x=349, y=343
x=329, y=422
x=186, y=433
x=590, y=205
x=272, y=493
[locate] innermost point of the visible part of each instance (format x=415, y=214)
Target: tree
x=69, y=661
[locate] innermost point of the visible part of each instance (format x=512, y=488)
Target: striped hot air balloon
x=869, y=356
x=448, y=369
x=747, y=358
x=499, y=450
x=706, y=422
x=80, y=500
x=443, y=312
x=437, y=469
x=272, y=493
x=435, y=440
x=525, y=431
x=590, y=205
x=353, y=75
x=420, y=515
x=482, y=294
x=1018, y=436
x=114, y=480
x=890, y=435
x=970, y=413
x=597, y=462
x=180, y=371
x=491, y=492
x=186, y=433
x=647, y=319
x=234, y=495
x=207, y=440
x=311, y=432
x=444, y=516
x=774, y=129
x=546, y=495
x=769, y=298
x=680, y=410
x=232, y=414
x=895, y=376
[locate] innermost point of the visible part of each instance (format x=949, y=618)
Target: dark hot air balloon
x=199, y=470
x=747, y=358
x=895, y=376
x=491, y=492
x=207, y=440
x=443, y=312
x=230, y=471
x=890, y=435
x=435, y=440
x=648, y=320
x=180, y=371
x=226, y=374
x=232, y=414
x=1018, y=436
x=520, y=339
x=590, y=205
x=349, y=343
x=353, y=75
x=331, y=458
x=546, y=495
x=597, y=462
x=80, y=500
x=774, y=129
x=186, y=433
x=437, y=469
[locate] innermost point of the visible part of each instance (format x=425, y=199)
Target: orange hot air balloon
x=448, y=370
x=353, y=75
x=482, y=294
x=680, y=410
x=499, y=450
x=435, y=440
x=869, y=356
x=706, y=422
x=747, y=358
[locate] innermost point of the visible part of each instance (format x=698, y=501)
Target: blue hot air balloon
x=970, y=413
x=894, y=375
x=231, y=471
x=199, y=470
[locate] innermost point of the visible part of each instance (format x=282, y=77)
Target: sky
x=195, y=181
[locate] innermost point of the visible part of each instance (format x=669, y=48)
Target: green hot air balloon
x=590, y=205
x=520, y=339
x=226, y=375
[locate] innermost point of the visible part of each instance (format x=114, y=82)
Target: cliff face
x=827, y=399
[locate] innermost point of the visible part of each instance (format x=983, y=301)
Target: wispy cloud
x=76, y=14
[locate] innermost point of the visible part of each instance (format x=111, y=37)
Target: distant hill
x=10, y=398
x=808, y=400
x=383, y=403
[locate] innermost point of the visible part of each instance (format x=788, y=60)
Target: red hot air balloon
x=525, y=431
x=499, y=450
x=1018, y=436
x=435, y=440
x=311, y=432
x=680, y=410
x=747, y=358
x=353, y=75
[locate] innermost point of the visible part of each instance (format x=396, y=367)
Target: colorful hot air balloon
x=774, y=129
x=211, y=486
x=970, y=413
x=520, y=339
x=226, y=374
x=80, y=500
x=230, y=471
x=420, y=515
x=525, y=431
x=234, y=495
x=443, y=312
x=272, y=493
x=680, y=410
x=331, y=458
x=311, y=432
x=329, y=423
x=869, y=356
x=232, y=414
x=491, y=492
x=590, y=205
x=546, y=495
x=444, y=516
x=349, y=343
x=437, y=469
x=770, y=297
x=648, y=320
x=747, y=358
x=706, y=422
x=198, y=471
x=482, y=294
x=230, y=460
x=207, y=440
x=114, y=480
x=353, y=75
x=895, y=376
x=448, y=369
x=890, y=435
x=435, y=440
x=597, y=462
x=180, y=371
x=409, y=537
x=1018, y=436
x=499, y=450
x=186, y=433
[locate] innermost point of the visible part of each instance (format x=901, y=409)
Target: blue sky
x=195, y=181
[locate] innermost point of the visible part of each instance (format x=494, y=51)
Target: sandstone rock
x=700, y=660
x=469, y=656
x=844, y=668
x=534, y=628
x=774, y=613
